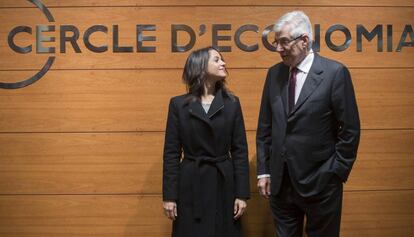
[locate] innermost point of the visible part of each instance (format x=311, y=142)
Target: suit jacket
x=214, y=169
x=318, y=138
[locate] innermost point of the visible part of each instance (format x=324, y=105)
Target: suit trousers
x=322, y=211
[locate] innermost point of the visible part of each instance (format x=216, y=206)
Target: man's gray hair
x=298, y=22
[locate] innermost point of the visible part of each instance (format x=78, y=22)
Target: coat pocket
x=322, y=154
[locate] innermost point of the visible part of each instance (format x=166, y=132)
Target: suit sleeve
x=264, y=130
x=346, y=113
x=240, y=156
x=172, y=155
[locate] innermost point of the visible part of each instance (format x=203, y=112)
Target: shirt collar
x=306, y=63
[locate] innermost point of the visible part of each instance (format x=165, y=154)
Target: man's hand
x=170, y=209
x=263, y=184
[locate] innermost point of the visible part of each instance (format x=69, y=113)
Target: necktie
x=292, y=87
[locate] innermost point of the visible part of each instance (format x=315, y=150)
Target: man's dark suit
x=318, y=140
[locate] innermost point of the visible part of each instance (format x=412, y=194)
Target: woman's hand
x=239, y=208
x=170, y=209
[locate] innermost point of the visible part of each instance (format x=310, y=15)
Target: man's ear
x=305, y=39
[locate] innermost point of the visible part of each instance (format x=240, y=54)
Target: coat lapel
x=216, y=105
x=284, y=77
x=312, y=81
x=197, y=110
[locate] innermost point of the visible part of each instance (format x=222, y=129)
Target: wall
x=81, y=149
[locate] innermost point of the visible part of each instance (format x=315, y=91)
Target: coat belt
x=196, y=182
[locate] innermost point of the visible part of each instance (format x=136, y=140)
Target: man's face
x=291, y=50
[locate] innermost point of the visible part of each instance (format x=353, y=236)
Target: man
x=308, y=134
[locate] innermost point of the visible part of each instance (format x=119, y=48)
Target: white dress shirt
x=303, y=71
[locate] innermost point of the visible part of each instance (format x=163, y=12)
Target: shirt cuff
x=263, y=176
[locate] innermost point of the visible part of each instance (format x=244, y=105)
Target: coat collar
x=284, y=75
x=216, y=105
x=197, y=110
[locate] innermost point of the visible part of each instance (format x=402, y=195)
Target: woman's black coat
x=214, y=169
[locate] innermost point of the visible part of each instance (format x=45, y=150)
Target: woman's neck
x=209, y=92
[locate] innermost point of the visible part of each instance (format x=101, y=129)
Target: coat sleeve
x=264, y=130
x=239, y=154
x=172, y=155
x=346, y=113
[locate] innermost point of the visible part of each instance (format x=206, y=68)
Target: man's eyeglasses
x=284, y=42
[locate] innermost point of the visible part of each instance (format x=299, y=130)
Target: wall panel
x=128, y=18
x=368, y=213
x=126, y=163
x=81, y=3
x=81, y=149
x=134, y=100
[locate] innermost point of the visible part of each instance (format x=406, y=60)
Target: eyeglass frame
x=286, y=43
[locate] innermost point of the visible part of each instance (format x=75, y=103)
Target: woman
x=206, y=169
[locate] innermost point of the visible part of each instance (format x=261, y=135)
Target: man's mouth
x=284, y=57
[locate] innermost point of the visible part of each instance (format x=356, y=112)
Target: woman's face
x=216, y=66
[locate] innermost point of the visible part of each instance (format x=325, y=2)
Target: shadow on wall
x=257, y=222
x=148, y=219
